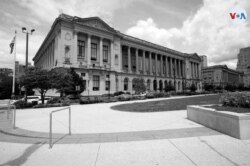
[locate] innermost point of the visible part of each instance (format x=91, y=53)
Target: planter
x=230, y=123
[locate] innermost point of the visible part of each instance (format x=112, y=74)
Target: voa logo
x=238, y=15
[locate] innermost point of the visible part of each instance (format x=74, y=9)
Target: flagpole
x=14, y=69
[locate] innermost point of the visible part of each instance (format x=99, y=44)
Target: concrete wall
x=233, y=124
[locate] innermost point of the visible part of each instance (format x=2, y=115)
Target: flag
x=12, y=44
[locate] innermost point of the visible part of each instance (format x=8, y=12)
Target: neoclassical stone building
x=108, y=60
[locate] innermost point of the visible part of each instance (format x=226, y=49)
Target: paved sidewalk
x=101, y=136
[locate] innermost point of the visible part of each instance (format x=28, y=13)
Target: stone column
x=137, y=60
x=121, y=63
x=150, y=63
x=74, y=49
x=171, y=67
x=129, y=60
x=179, y=68
x=161, y=65
x=175, y=65
x=166, y=63
x=144, y=62
x=101, y=51
x=156, y=66
x=89, y=50
x=111, y=58
x=192, y=71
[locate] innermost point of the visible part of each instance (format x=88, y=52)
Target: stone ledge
x=233, y=124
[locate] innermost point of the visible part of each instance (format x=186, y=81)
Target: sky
x=191, y=26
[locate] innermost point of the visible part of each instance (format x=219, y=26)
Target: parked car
x=32, y=99
x=46, y=99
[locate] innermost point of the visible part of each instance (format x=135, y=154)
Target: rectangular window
x=96, y=83
x=140, y=62
x=105, y=53
x=133, y=59
x=107, y=85
x=81, y=49
x=116, y=59
x=93, y=51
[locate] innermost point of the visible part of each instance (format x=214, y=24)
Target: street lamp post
x=24, y=30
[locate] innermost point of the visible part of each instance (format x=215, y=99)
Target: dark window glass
x=96, y=83
x=93, y=51
x=81, y=49
x=105, y=53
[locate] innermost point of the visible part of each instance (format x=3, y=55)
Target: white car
x=31, y=99
x=46, y=99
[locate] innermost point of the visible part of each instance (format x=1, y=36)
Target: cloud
x=208, y=32
x=40, y=15
x=48, y=10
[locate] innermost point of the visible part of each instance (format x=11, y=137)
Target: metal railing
x=50, y=126
x=9, y=106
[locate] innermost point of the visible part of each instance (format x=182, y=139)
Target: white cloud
x=40, y=15
x=209, y=32
x=48, y=10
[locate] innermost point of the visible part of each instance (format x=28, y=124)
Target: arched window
x=148, y=84
x=165, y=84
x=155, y=85
x=179, y=85
x=125, y=84
x=160, y=85
x=133, y=84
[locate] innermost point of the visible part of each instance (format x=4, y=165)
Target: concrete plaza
x=102, y=136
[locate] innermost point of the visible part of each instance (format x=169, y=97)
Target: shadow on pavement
x=23, y=158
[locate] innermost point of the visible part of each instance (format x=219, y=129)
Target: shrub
x=193, y=88
x=239, y=99
x=22, y=104
x=64, y=100
x=118, y=93
x=150, y=95
x=124, y=97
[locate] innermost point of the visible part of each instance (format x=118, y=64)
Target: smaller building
x=243, y=64
x=221, y=75
x=203, y=61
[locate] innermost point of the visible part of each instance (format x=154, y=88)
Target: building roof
x=98, y=23
x=220, y=67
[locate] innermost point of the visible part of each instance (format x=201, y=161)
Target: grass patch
x=230, y=109
x=167, y=105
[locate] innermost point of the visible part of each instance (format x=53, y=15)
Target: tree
x=230, y=87
x=77, y=81
x=65, y=81
x=241, y=87
x=193, y=88
x=6, y=82
x=218, y=87
x=209, y=87
x=138, y=85
x=169, y=87
x=37, y=78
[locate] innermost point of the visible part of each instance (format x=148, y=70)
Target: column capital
x=89, y=35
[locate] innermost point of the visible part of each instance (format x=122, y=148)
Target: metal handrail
x=50, y=132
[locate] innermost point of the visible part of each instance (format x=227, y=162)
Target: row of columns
x=194, y=70
x=99, y=49
x=174, y=67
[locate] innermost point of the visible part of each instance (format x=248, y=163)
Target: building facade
x=108, y=60
x=203, y=61
x=221, y=75
x=243, y=64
